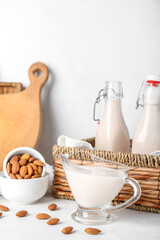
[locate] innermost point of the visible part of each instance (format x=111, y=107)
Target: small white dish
x=155, y=153
x=22, y=150
x=24, y=191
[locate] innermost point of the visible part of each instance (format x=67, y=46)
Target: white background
x=84, y=43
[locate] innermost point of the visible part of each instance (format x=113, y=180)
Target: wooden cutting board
x=10, y=87
x=20, y=113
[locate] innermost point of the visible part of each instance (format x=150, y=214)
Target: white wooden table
x=126, y=225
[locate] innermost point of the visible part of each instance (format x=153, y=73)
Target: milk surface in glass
x=147, y=136
x=96, y=189
x=112, y=133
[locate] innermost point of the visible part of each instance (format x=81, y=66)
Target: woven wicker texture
x=145, y=169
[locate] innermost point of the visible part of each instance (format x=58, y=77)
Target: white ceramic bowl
x=22, y=150
x=24, y=191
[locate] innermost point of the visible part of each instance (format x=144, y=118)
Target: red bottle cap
x=153, y=83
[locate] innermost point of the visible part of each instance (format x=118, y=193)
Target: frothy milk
x=96, y=188
x=112, y=133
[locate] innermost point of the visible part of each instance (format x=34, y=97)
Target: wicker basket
x=144, y=168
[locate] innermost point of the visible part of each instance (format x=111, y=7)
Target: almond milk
x=96, y=189
x=112, y=133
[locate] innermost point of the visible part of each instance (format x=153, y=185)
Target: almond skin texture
x=23, y=171
x=12, y=176
x=21, y=213
x=15, y=167
x=14, y=159
x=92, y=231
x=42, y=216
x=53, y=221
x=30, y=170
x=67, y=230
x=9, y=167
x=32, y=159
x=52, y=207
x=25, y=156
x=36, y=176
x=18, y=176
x=4, y=208
x=27, y=177
x=35, y=168
x=0, y=214
x=40, y=169
x=36, y=173
x=23, y=162
x=38, y=163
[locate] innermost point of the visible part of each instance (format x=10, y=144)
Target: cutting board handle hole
x=38, y=73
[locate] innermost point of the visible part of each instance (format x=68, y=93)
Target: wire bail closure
x=140, y=95
x=98, y=99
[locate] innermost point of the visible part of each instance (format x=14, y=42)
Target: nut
x=67, y=230
x=35, y=168
x=12, y=176
x=15, y=167
x=14, y=158
x=9, y=168
x=4, y=208
x=36, y=173
x=30, y=170
x=36, y=176
x=23, y=171
x=53, y=221
x=38, y=163
x=52, y=207
x=92, y=231
x=25, y=156
x=27, y=177
x=42, y=216
x=40, y=170
x=21, y=213
x=18, y=176
x=32, y=159
x=23, y=162
x=0, y=214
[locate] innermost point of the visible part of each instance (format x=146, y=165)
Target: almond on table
x=67, y=230
x=4, y=208
x=42, y=216
x=52, y=207
x=53, y=221
x=21, y=213
x=92, y=231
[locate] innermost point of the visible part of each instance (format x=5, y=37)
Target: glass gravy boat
x=95, y=186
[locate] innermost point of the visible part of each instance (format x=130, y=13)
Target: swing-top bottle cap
x=153, y=80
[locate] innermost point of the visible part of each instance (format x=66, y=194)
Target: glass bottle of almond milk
x=112, y=133
x=147, y=136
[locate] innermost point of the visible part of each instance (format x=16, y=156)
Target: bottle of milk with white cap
x=147, y=136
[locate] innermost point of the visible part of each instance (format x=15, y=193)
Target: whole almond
x=32, y=159
x=23, y=171
x=27, y=177
x=36, y=173
x=38, y=163
x=42, y=216
x=67, y=230
x=9, y=169
x=15, y=167
x=52, y=207
x=30, y=170
x=92, y=231
x=53, y=221
x=36, y=176
x=23, y=162
x=21, y=213
x=12, y=176
x=14, y=158
x=35, y=168
x=40, y=169
x=4, y=208
x=19, y=176
x=25, y=156
x=0, y=214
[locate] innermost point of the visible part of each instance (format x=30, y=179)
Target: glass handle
x=129, y=202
